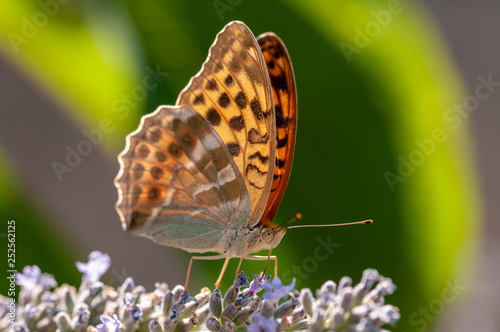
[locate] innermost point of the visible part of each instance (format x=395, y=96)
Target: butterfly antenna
x=366, y=222
x=298, y=216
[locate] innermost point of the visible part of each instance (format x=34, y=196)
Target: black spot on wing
x=255, y=138
x=237, y=123
x=188, y=141
x=263, y=159
x=199, y=99
x=154, y=194
x=224, y=100
x=135, y=195
x=138, y=171
x=235, y=65
x=160, y=156
x=256, y=109
x=174, y=149
x=282, y=142
x=281, y=122
x=155, y=135
x=211, y=85
x=234, y=149
x=229, y=81
x=156, y=173
x=241, y=100
x=213, y=117
x=252, y=167
x=279, y=82
x=142, y=152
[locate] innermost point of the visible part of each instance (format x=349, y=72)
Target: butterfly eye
x=267, y=234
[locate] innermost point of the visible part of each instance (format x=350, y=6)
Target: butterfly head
x=271, y=236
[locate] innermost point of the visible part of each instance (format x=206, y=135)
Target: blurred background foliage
x=361, y=112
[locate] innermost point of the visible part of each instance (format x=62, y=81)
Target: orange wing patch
x=284, y=90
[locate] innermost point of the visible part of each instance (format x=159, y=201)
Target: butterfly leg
x=217, y=283
x=219, y=280
x=238, y=268
x=241, y=259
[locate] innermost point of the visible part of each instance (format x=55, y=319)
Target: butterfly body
x=241, y=242
x=208, y=174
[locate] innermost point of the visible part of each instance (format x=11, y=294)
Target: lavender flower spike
x=109, y=324
x=29, y=278
x=130, y=308
x=262, y=324
x=97, y=265
x=275, y=290
x=32, y=276
x=257, y=284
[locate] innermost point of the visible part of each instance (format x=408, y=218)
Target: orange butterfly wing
x=284, y=90
x=233, y=92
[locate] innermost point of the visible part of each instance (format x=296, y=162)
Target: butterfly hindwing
x=284, y=90
x=233, y=92
x=178, y=184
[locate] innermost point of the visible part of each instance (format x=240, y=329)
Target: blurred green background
x=378, y=138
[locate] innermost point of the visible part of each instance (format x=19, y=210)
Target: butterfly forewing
x=178, y=184
x=232, y=91
x=284, y=90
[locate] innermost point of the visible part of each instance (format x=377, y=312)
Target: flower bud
x=267, y=308
x=243, y=316
x=344, y=282
x=337, y=316
x=216, y=303
x=127, y=286
x=285, y=309
x=297, y=315
x=229, y=296
x=317, y=322
x=228, y=326
x=177, y=291
x=166, y=303
x=307, y=300
x=302, y=325
x=68, y=297
x=357, y=313
x=346, y=298
x=212, y=324
x=229, y=312
x=63, y=320
x=154, y=326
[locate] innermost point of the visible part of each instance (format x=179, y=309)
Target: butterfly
x=208, y=174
